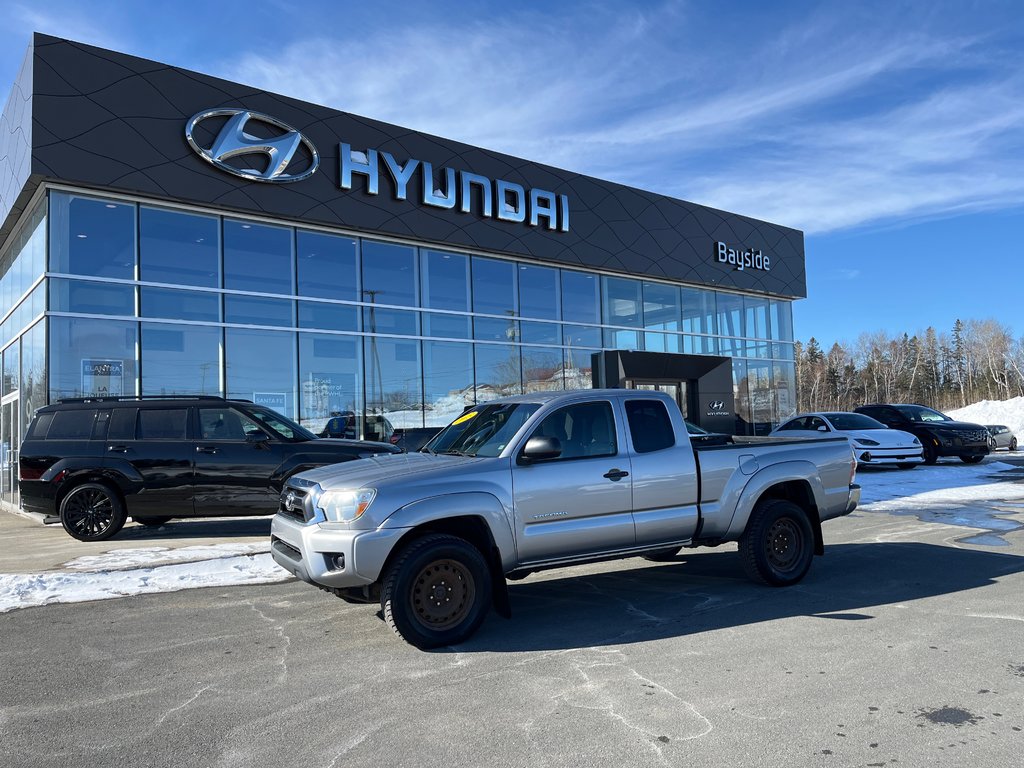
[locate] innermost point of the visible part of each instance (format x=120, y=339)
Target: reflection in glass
x=446, y=326
x=581, y=336
x=580, y=297
x=661, y=307
x=91, y=298
x=756, y=317
x=621, y=301
x=92, y=357
x=11, y=369
x=92, y=237
x=180, y=305
x=398, y=322
x=329, y=317
x=447, y=380
x=498, y=371
x=180, y=359
x=578, y=369
x=700, y=345
x=259, y=310
x=741, y=394
x=445, y=278
x=330, y=383
x=662, y=342
x=617, y=339
x=542, y=369
x=494, y=329
x=540, y=333
x=698, y=307
x=730, y=314
x=784, y=381
x=782, y=320
x=179, y=248
x=494, y=286
x=538, y=292
x=260, y=366
x=33, y=372
x=759, y=382
x=389, y=273
x=393, y=381
x=257, y=257
x=326, y=266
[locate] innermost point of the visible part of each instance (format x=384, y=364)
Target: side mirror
x=540, y=449
x=257, y=438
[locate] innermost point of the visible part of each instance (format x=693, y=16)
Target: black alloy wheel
x=92, y=512
x=152, y=522
x=437, y=591
x=931, y=454
x=778, y=545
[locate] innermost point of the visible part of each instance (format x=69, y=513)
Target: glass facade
x=149, y=300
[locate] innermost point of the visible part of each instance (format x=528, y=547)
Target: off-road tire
x=661, y=555
x=92, y=512
x=436, y=592
x=778, y=545
x=971, y=459
x=152, y=522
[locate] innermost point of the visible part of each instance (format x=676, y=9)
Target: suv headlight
x=915, y=441
x=863, y=441
x=345, y=506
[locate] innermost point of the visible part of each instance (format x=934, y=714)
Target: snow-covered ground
x=1009, y=413
x=976, y=497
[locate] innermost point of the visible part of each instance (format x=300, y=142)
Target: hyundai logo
x=716, y=405
x=233, y=141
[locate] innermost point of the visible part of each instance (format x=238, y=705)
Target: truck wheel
x=971, y=459
x=151, y=522
x=778, y=545
x=92, y=512
x=661, y=555
x=436, y=592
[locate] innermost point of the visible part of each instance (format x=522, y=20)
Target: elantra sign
x=234, y=148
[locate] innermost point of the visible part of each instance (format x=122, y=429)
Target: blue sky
x=890, y=132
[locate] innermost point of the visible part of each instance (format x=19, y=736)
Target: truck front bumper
x=854, y=499
x=331, y=558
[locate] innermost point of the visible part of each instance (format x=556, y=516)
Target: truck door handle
x=206, y=449
x=616, y=474
x=118, y=449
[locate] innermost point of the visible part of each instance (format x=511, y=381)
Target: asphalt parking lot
x=903, y=646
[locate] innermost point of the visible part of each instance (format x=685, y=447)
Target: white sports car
x=872, y=441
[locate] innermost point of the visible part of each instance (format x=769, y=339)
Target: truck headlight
x=345, y=506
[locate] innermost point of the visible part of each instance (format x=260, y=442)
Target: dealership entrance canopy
x=166, y=232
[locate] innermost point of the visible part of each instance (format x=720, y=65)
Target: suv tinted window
x=40, y=425
x=122, y=424
x=162, y=423
x=649, y=425
x=224, y=424
x=72, y=425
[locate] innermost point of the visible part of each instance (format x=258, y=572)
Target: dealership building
x=167, y=232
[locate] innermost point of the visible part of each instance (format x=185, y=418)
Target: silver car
x=1002, y=437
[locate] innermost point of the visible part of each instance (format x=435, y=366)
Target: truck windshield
x=482, y=431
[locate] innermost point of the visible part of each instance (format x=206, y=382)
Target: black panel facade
x=105, y=120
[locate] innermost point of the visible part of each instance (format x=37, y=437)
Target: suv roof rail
x=129, y=398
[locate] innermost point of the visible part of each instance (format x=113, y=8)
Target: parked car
x=700, y=436
x=872, y=441
x=1002, y=437
x=93, y=462
x=547, y=480
x=939, y=434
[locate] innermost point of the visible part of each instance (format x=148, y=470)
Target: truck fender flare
x=499, y=551
x=763, y=480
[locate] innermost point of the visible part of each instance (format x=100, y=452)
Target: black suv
x=95, y=461
x=939, y=434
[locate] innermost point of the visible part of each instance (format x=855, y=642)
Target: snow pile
x=1009, y=413
x=222, y=568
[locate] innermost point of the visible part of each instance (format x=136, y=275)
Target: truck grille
x=295, y=505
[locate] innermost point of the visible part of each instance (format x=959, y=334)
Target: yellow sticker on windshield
x=464, y=417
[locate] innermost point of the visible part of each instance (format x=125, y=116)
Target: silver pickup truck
x=546, y=480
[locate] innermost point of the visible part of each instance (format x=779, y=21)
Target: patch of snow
x=120, y=559
x=1009, y=413
x=27, y=590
